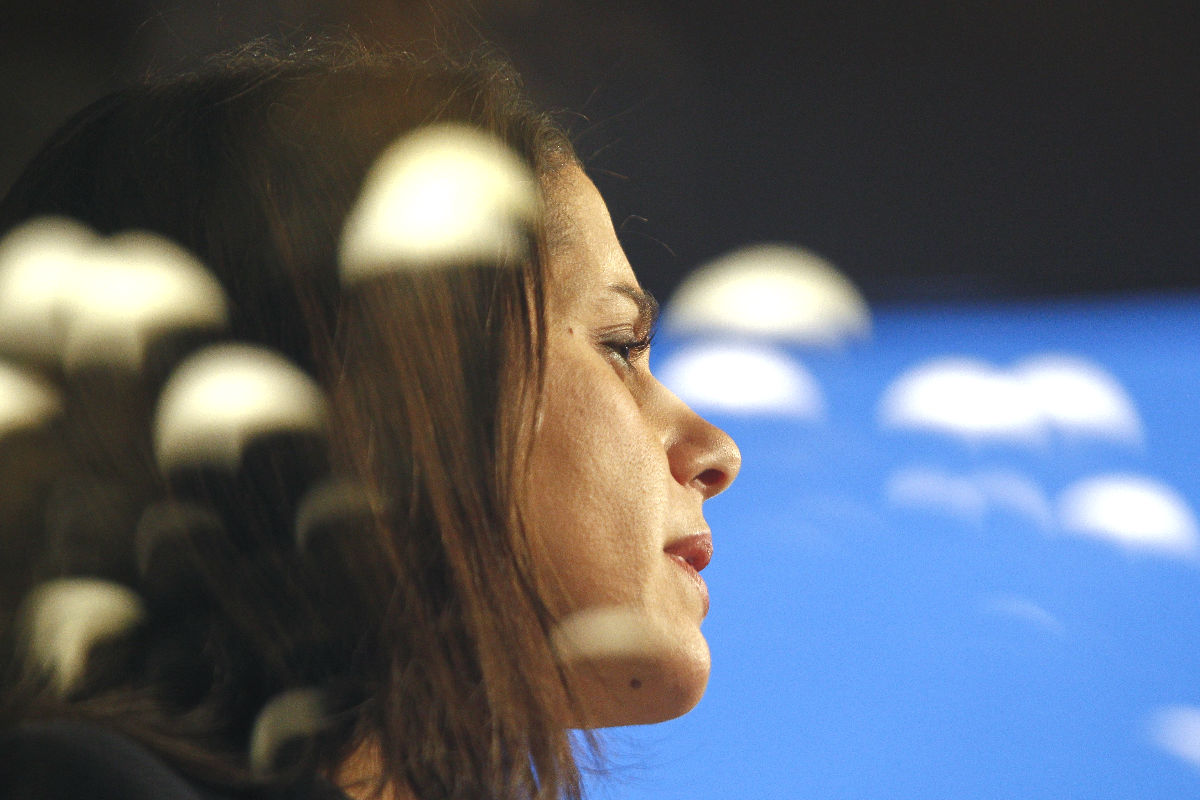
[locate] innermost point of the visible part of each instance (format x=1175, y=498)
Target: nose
x=701, y=455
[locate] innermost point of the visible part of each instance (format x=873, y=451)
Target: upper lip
x=696, y=550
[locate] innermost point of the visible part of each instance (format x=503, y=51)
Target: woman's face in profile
x=619, y=470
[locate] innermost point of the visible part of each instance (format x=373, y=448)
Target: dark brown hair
x=421, y=623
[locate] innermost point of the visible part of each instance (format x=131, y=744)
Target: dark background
x=935, y=150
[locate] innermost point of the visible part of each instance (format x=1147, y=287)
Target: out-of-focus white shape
x=975, y=400
x=38, y=265
x=294, y=714
x=225, y=395
x=330, y=502
x=63, y=618
x=1078, y=396
x=606, y=632
x=771, y=290
x=1024, y=610
x=1176, y=729
x=968, y=497
x=138, y=286
x=742, y=378
x=69, y=295
x=964, y=397
x=443, y=196
x=1132, y=511
x=933, y=489
x=25, y=402
x=1018, y=493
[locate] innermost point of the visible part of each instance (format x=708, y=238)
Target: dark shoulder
x=61, y=759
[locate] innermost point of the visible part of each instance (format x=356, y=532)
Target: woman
x=507, y=527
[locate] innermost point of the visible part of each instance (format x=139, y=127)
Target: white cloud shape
x=1077, y=396
x=969, y=496
x=70, y=296
x=443, y=196
x=936, y=490
x=975, y=400
x=1026, y=611
x=1132, y=511
x=334, y=500
x=605, y=632
x=742, y=378
x=221, y=397
x=772, y=290
x=1176, y=729
x=25, y=402
x=63, y=618
x=288, y=716
x=1018, y=494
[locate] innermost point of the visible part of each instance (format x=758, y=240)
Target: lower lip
x=692, y=574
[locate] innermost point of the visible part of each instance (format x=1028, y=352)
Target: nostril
x=711, y=480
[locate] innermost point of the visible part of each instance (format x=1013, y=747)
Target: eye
x=628, y=348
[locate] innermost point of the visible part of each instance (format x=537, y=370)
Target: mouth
x=696, y=551
x=692, y=554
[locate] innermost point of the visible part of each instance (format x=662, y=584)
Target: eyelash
x=629, y=349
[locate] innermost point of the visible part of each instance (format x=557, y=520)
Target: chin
x=626, y=669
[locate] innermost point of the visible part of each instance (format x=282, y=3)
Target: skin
x=619, y=470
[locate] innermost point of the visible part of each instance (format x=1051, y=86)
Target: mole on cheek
x=635, y=684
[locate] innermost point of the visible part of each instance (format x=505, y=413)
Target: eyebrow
x=647, y=305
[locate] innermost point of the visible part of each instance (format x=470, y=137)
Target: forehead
x=584, y=253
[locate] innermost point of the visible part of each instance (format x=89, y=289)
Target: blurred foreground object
x=78, y=299
x=770, y=290
x=443, y=196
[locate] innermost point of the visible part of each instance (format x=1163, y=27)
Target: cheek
x=597, y=491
